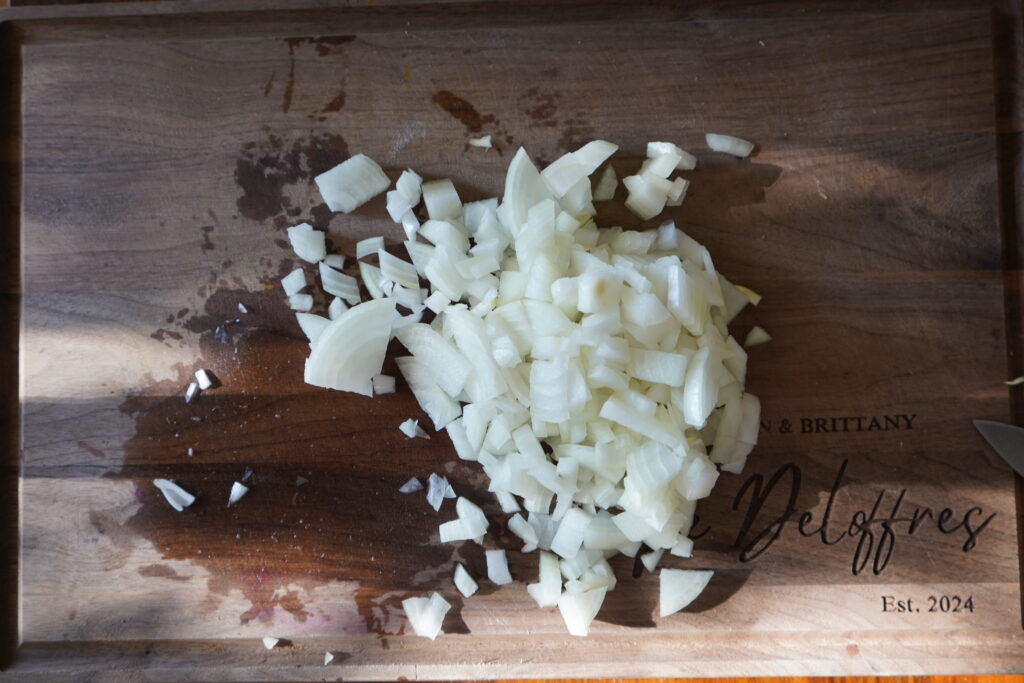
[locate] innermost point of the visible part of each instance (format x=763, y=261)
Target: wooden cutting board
x=162, y=156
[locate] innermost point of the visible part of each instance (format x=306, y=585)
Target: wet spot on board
x=461, y=109
x=161, y=571
x=207, y=243
x=163, y=334
x=541, y=107
x=320, y=216
x=577, y=132
x=286, y=539
x=264, y=172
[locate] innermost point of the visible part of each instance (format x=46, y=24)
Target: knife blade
x=1006, y=440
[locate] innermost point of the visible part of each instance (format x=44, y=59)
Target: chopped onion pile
x=589, y=371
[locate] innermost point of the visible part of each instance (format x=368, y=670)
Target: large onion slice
x=350, y=350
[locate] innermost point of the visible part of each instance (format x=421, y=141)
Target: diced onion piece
x=308, y=244
x=701, y=388
x=594, y=153
x=650, y=560
x=372, y=279
x=312, y=325
x=1011, y=383
x=242, y=308
x=411, y=486
x=437, y=487
x=687, y=162
x=336, y=308
x=294, y=282
x=497, y=567
x=350, y=350
x=605, y=189
x=646, y=198
x=411, y=428
x=352, y=183
x=728, y=144
x=383, y=384
x=328, y=658
x=441, y=199
x=757, y=335
x=754, y=297
x=464, y=582
x=578, y=610
x=439, y=406
x=484, y=142
x=270, y=642
x=679, y=587
x=338, y=284
x=370, y=245
x=203, y=379
x=335, y=261
x=397, y=270
x=677, y=191
x=521, y=528
x=300, y=302
x=569, y=538
x=408, y=187
x=437, y=302
x=238, y=489
x=446, y=365
x=426, y=615
x=177, y=497
x=549, y=585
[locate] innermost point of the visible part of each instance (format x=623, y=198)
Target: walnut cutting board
x=161, y=158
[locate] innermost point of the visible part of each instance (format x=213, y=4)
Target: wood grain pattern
x=869, y=221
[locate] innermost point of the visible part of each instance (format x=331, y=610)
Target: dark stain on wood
x=207, y=243
x=577, y=132
x=269, y=84
x=264, y=171
x=161, y=571
x=336, y=103
x=289, y=87
x=91, y=450
x=543, y=107
x=324, y=45
x=163, y=333
x=461, y=109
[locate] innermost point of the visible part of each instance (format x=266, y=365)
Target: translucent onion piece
x=351, y=183
x=177, y=497
x=308, y=244
x=728, y=144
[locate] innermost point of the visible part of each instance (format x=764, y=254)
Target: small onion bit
x=177, y=497
x=238, y=491
x=426, y=615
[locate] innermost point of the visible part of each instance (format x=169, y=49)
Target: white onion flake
x=589, y=371
x=177, y=497
x=426, y=615
x=728, y=144
x=352, y=183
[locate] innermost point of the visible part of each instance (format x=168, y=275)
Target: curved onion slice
x=350, y=350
